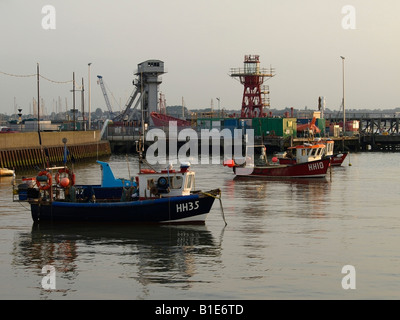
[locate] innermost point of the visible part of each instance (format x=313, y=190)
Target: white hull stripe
x=200, y=218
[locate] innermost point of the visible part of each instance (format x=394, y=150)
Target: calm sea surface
x=283, y=240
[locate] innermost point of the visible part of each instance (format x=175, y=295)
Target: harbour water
x=283, y=240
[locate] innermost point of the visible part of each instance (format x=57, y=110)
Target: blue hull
x=180, y=209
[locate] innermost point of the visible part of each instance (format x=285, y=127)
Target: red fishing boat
x=257, y=165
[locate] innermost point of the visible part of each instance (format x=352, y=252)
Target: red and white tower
x=255, y=94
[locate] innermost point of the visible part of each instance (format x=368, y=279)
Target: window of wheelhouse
x=176, y=182
x=189, y=181
x=314, y=151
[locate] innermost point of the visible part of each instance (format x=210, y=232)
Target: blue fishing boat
x=164, y=196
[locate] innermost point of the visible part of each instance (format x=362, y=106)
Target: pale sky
x=199, y=42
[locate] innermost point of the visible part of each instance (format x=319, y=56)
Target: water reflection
x=304, y=197
x=308, y=197
x=144, y=253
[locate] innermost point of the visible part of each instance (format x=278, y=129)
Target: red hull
x=163, y=120
x=287, y=161
x=337, y=160
x=313, y=169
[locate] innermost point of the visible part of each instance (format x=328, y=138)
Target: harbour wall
x=24, y=150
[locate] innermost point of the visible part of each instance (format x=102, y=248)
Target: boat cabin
x=151, y=183
x=307, y=152
x=167, y=183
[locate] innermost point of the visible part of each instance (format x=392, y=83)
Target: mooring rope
x=220, y=202
x=26, y=208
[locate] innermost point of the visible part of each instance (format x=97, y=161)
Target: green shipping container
x=281, y=127
x=289, y=127
x=320, y=123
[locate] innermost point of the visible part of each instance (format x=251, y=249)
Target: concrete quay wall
x=21, y=140
x=23, y=149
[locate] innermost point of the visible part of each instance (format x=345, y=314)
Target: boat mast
x=344, y=109
x=38, y=123
x=38, y=104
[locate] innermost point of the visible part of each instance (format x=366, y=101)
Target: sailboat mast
x=344, y=109
x=38, y=95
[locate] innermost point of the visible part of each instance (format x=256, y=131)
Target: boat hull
x=287, y=161
x=337, y=159
x=162, y=120
x=181, y=209
x=313, y=169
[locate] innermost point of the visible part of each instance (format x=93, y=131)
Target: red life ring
x=48, y=182
x=71, y=176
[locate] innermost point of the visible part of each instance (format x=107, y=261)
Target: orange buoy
x=229, y=163
x=65, y=174
x=64, y=182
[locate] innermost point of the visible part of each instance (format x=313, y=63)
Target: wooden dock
x=377, y=131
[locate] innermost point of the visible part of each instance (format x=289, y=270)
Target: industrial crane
x=145, y=89
x=103, y=88
x=122, y=115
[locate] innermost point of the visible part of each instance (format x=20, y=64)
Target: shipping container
x=281, y=127
x=320, y=123
x=303, y=121
x=229, y=123
x=334, y=130
x=216, y=123
x=352, y=125
x=289, y=127
x=209, y=123
x=245, y=123
x=203, y=123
